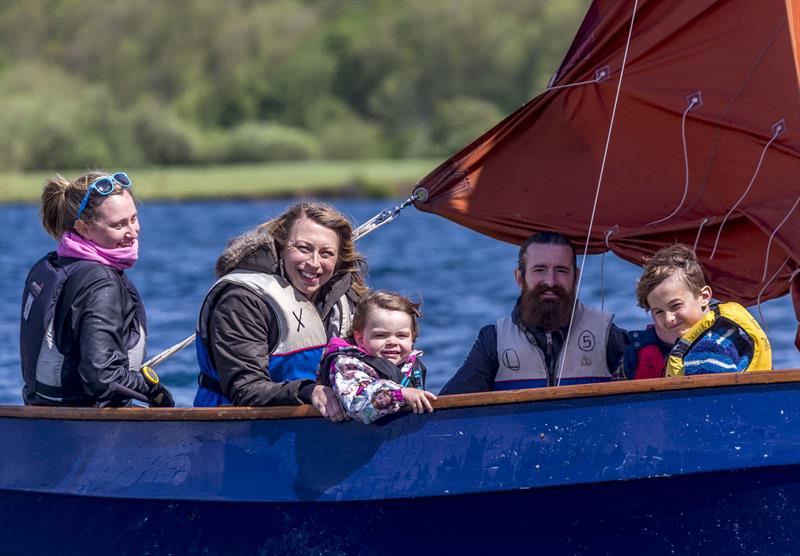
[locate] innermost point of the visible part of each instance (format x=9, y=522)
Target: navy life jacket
x=644, y=357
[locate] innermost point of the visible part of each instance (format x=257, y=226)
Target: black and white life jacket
x=48, y=373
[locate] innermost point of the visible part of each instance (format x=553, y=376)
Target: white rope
x=611, y=231
x=599, y=182
x=758, y=299
x=600, y=75
x=791, y=279
x=776, y=131
x=699, y=231
x=694, y=100
x=769, y=243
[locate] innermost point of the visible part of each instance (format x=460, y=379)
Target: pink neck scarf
x=75, y=246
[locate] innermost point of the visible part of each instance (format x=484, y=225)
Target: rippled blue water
x=464, y=279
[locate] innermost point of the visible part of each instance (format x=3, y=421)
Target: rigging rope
x=599, y=182
x=600, y=75
x=705, y=221
x=766, y=264
x=611, y=231
x=777, y=129
x=769, y=243
x=791, y=278
x=694, y=100
x=758, y=299
x=380, y=219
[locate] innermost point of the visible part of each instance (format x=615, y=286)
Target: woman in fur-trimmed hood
x=284, y=289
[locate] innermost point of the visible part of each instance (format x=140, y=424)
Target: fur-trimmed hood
x=253, y=250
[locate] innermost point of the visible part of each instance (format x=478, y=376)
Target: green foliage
x=42, y=127
x=342, y=133
x=163, y=82
x=351, y=140
x=163, y=136
x=257, y=142
x=384, y=178
x=461, y=120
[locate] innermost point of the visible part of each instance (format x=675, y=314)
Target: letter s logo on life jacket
x=586, y=341
x=511, y=359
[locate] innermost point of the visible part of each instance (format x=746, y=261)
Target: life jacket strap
x=680, y=348
x=209, y=383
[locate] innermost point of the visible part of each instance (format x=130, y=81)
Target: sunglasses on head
x=104, y=186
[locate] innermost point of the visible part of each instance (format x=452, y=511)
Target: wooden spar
x=228, y=413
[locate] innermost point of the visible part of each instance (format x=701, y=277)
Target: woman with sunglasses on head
x=83, y=329
x=284, y=289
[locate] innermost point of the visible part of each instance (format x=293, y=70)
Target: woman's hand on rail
x=328, y=404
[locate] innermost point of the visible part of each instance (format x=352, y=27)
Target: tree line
x=157, y=82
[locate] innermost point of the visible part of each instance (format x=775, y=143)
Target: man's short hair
x=545, y=238
x=674, y=259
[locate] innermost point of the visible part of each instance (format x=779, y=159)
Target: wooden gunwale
x=444, y=402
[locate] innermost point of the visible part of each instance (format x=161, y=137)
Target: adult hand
x=326, y=402
x=160, y=397
x=418, y=400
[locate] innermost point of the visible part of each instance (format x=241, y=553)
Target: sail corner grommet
x=420, y=194
x=695, y=100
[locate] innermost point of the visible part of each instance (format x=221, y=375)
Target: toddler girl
x=381, y=372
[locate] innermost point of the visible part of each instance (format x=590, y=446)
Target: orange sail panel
x=539, y=169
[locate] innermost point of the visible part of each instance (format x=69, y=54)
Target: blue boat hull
x=714, y=467
x=731, y=512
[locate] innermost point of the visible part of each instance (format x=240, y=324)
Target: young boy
x=706, y=337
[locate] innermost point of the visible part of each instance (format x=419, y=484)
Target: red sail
x=539, y=168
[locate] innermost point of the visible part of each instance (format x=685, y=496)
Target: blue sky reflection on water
x=465, y=280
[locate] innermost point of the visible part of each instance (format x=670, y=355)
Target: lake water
x=464, y=279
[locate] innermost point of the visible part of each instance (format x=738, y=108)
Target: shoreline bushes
x=154, y=82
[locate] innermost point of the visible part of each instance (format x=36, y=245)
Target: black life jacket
x=48, y=377
x=36, y=335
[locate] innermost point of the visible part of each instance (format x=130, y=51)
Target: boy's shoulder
x=724, y=332
x=724, y=347
x=724, y=318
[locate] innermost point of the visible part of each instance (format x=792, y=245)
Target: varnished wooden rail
x=723, y=380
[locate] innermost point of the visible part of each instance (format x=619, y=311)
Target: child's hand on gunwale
x=418, y=400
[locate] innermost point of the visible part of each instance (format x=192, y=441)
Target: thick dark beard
x=547, y=314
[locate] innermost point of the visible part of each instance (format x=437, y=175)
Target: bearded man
x=526, y=349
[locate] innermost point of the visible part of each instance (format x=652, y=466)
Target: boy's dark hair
x=667, y=261
x=545, y=238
